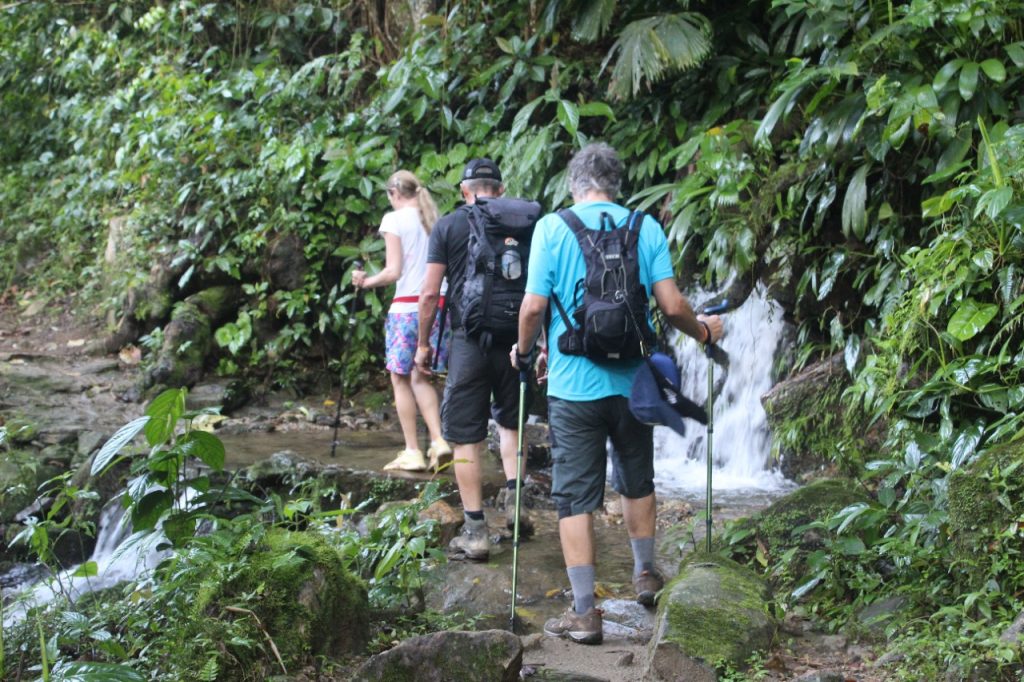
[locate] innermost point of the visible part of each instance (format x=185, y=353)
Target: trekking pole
x=708, y=352
x=356, y=265
x=524, y=376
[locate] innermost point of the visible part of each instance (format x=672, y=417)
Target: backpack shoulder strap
x=573, y=221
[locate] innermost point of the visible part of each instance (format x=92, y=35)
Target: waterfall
x=119, y=556
x=741, y=444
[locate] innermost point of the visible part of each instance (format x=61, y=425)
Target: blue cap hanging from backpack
x=655, y=397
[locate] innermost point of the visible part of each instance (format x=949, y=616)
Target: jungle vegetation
x=862, y=157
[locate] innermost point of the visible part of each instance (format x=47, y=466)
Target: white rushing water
x=741, y=443
x=118, y=557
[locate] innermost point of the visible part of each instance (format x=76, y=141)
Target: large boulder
x=448, y=657
x=769, y=532
x=188, y=337
x=983, y=501
x=309, y=606
x=808, y=417
x=715, y=612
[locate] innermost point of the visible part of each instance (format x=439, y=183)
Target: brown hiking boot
x=525, y=522
x=584, y=628
x=647, y=585
x=473, y=542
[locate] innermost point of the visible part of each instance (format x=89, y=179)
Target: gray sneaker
x=525, y=522
x=584, y=628
x=473, y=543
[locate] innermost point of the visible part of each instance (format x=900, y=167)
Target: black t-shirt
x=448, y=246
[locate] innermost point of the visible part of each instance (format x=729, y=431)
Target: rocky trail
x=49, y=381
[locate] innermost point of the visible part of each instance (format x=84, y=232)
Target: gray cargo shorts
x=579, y=435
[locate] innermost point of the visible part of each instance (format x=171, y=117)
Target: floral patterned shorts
x=401, y=331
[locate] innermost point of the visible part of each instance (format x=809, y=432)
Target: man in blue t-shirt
x=587, y=402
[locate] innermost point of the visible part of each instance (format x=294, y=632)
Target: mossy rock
x=978, y=493
x=771, y=529
x=306, y=603
x=714, y=613
x=813, y=427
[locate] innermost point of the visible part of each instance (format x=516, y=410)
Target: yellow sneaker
x=440, y=453
x=408, y=460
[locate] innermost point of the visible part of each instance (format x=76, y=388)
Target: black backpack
x=611, y=324
x=498, y=250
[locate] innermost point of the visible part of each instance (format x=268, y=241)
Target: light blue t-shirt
x=556, y=264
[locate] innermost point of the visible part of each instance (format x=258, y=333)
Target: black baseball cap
x=481, y=169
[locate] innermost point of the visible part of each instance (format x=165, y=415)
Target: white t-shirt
x=406, y=224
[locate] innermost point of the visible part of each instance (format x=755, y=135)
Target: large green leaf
x=121, y=437
x=970, y=318
x=968, y=80
x=206, y=447
x=147, y=511
x=855, y=219
x=163, y=413
x=568, y=116
x=994, y=70
x=95, y=672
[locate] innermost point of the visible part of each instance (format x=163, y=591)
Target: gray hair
x=483, y=187
x=596, y=167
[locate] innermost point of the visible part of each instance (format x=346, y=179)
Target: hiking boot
x=439, y=453
x=473, y=543
x=525, y=523
x=584, y=628
x=647, y=585
x=408, y=460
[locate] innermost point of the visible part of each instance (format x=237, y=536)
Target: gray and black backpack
x=610, y=304
x=498, y=251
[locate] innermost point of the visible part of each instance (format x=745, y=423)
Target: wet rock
x=714, y=612
x=817, y=390
x=1012, y=634
x=533, y=642
x=286, y=262
x=448, y=657
x=834, y=643
x=628, y=613
x=449, y=520
x=889, y=658
x=469, y=587
x=282, y=470
x=188, y=337
x=878, y=614
x=536, y=441
x=821, y=676
x=88, y=441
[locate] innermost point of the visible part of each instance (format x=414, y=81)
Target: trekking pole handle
x=716, y=309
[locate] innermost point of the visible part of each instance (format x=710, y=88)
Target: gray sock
x=643, y=555
x=582, y=580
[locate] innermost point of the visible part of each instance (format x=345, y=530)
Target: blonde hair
x=408, y=185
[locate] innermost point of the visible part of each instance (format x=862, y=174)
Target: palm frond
x=649, y=49
x=592, y=19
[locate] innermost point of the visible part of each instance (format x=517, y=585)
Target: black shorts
x=580, y=431
x=480, y=384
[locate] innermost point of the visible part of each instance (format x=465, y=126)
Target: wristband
x=707, y=331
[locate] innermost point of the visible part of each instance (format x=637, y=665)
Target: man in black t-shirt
x=478, y=375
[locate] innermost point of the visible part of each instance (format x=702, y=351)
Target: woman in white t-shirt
x=406, y=231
